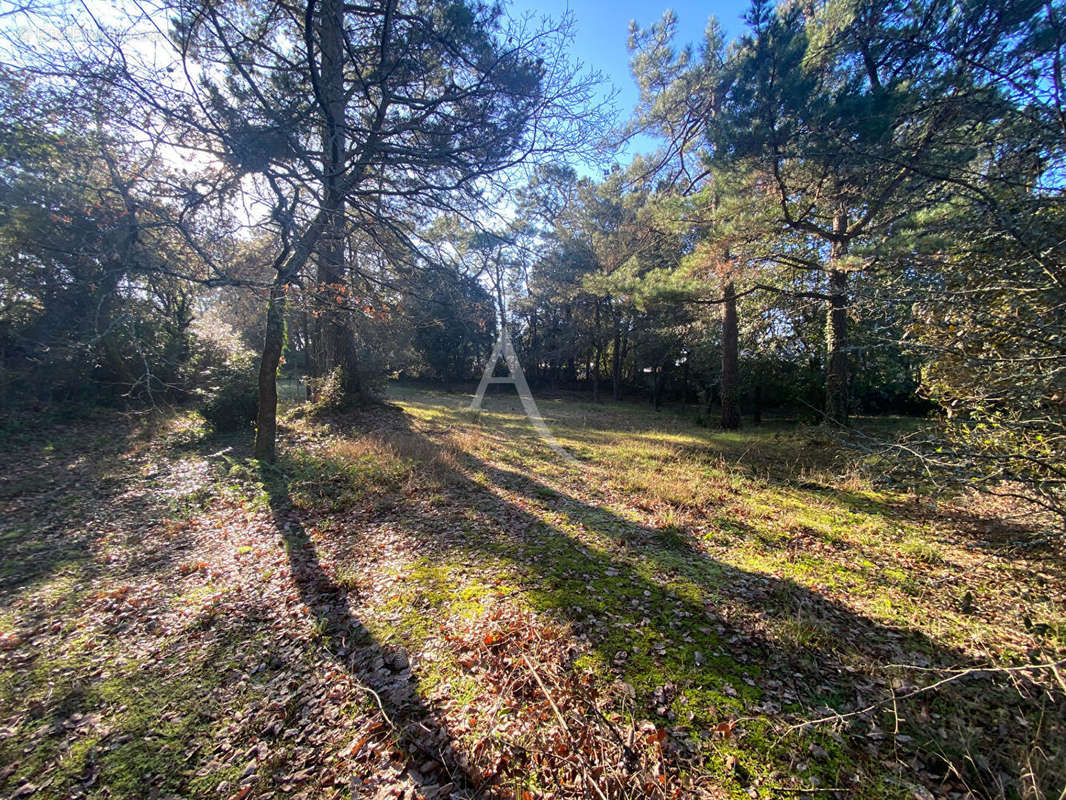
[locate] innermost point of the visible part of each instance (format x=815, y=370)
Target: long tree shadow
x=1028, y=535
x=699, y=639
x=422, y=737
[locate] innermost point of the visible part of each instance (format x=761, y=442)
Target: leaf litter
x=174, y=623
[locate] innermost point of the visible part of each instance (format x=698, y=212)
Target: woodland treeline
x=854, y=207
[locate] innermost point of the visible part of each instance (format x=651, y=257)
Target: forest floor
x=419, y=602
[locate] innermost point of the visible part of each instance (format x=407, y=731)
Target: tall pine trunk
x=309, y=364
x=616, y=361
x=730, y=360
x=836, y=331
x=657, y=386
x=597, y=355
x=334, y=340
x=596, y=373
x=266, y=418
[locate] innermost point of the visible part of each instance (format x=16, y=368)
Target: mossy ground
x=178, y=619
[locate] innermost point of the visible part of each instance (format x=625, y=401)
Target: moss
x=150, y=716
x=724, y=577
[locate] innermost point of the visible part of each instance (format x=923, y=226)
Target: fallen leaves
x=264, y=650
x=724, y=729
x=545, y=715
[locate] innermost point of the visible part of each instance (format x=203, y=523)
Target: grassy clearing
x=751, y=571
x=422, y=600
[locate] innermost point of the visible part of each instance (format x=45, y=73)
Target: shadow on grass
x=59, y=487
x=66, y=488
x=1003, y=537
x=421, y=735
x=111, y=733
x=702, y=641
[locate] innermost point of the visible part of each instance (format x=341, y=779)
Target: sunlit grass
x=700, y=578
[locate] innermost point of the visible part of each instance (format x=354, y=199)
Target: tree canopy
x=852, y=208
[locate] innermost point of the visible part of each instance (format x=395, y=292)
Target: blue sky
x=603, y=29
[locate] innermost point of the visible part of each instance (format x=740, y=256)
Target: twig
x=1051, y=665
x=377, y=697
x=632, y=756
x=954, y=676
x=806, y=790
x=544, y=689
x=558, y=715
x=1062, y=682
x=895, y=710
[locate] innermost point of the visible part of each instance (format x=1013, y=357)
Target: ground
x=417, y=601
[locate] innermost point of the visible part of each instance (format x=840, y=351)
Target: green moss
x=721, y=576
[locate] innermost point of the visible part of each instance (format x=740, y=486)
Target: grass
x=449, y=587
x=777, y=528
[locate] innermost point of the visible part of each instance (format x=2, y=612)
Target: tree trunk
x=836, y=332
x=534, y=347
x=571, y=363
x=309, y=367
x=710, y=398
x=596, y=374
x=616, y=361
x=335, y=344
x=730, y=360
x=684, y=382
x=657, y=387
x=266, y=419
x=597, y=354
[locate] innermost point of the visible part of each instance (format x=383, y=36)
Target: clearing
x=419, y=602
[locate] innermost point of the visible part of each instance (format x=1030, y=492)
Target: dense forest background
x=856, y=208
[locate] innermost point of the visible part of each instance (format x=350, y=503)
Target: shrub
x=232, y=402
x=328, y=392
x=226, y=385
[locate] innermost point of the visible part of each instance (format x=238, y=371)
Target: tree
x=583, y=235
x=680, y=99
x=91, y=308
x=346, y=123
x=453, y=320
x=837, y=111
x=990, y=328
x=986, y=300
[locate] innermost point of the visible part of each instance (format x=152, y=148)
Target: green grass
x=780, y=527
x=694, y=581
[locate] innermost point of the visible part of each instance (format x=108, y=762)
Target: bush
x=328, y=392
x=226, y=384
x=231, y=405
